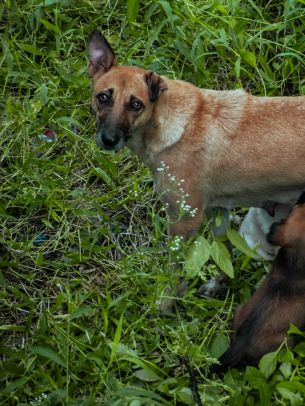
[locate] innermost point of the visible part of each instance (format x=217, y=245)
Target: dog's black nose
x=109, y=140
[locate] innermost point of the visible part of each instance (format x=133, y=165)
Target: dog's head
x=291, y=231
x=123, y=96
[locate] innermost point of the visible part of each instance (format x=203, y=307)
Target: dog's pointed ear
x=156, y=85
x=101, y=55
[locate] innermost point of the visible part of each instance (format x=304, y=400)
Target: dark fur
x=261, y=324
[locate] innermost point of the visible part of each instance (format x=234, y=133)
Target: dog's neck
x=168, y=123
x=175, y=118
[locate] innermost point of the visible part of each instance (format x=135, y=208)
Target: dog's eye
x=135, y=105
x=103, y=98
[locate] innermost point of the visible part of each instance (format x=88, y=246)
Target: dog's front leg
x=179, y=230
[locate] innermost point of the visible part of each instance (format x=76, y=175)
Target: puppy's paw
x=214, y=286
x=217, y=369
x=167, y=303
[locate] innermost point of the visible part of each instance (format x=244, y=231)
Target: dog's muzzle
x=110, y=139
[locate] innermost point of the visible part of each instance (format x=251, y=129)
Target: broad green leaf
x=146, y=375
x=185, y=396
x=295, y=398
x=286, y=355
x=123, y=350
x=19, y=383
x=300, y=349
x=240, y=243
x=258, y=381
x=255, y=377
x=293, y=385
x=139, y=362
x=224, y=38
x=181, y=46
x=249, y=57
x=43, y=94
x=49, y=26
x=221, y=256
x=30, y=49
x=267, y=364
x=132, y=10
x=285, y=368
x=68, y=120
x=294, y=330
x=48, y=353
x=197, y=256
x=219, y=346
x=84, y=310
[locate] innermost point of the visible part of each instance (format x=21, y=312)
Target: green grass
x=83, y=249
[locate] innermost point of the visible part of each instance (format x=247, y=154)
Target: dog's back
x=261, y=324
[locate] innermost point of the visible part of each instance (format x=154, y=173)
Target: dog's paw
x=167, y=303
x=214, y=287
x=216, y=369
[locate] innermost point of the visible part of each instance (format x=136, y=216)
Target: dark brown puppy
x=261, y=324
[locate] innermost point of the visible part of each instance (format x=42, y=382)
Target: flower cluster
x=39, y=399
x=182, y=196
x=176, y=243
x=163, y=167
x=186, y=208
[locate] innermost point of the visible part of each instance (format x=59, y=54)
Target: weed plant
x=83, y=248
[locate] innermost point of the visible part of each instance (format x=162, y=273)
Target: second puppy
x=261, y=324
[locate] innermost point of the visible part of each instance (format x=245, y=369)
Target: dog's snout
x=109, y=139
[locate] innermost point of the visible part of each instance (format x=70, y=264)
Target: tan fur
x=230, y=148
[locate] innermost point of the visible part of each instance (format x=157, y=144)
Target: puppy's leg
x=214, y=286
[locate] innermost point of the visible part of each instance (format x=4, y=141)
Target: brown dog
x=261, y=324
x=227, y=147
